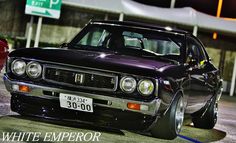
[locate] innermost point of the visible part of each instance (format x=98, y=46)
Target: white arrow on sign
x=42, y=11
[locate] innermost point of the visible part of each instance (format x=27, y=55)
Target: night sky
x=206, y=6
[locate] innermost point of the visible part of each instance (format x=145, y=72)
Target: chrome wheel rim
x=179, y=115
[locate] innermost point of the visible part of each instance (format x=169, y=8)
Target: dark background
x=206, y=6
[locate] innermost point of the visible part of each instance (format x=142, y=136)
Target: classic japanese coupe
x=123, y=75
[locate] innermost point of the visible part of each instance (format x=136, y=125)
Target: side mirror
x=63, y=45
x=192, y=64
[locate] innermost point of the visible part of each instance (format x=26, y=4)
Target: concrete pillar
x=106, y=17
x=36, y=43
x=222, y=61
x=121, y=17
x=29, y=34
x=195, y=30
x=172, y=4
x=232, y=88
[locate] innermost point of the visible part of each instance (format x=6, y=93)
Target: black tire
x=209, y=119
x=166, y=126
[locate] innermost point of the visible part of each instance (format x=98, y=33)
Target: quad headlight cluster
x=145, y=86
x=32, y=69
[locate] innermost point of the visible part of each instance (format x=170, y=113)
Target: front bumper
x=107, y=106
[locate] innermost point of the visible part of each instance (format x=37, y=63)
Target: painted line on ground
x=189, y=139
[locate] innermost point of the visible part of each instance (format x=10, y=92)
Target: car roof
x=141, y=25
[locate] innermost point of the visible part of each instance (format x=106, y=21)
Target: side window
x=195, y=51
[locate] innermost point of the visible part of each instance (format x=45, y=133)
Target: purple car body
x=122, y=75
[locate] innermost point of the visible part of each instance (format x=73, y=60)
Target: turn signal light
x=136, y=106
x=24, y=88
x=133, y=106
x=21, y=88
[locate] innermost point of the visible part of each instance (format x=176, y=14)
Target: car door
x=200, y=90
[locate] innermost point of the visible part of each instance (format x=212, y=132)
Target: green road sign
x=45, y=8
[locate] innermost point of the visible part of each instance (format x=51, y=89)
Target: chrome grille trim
x=80, y=71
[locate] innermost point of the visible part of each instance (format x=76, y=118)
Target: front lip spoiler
x=113, y=102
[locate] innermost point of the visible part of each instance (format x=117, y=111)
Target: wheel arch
x=178, y=93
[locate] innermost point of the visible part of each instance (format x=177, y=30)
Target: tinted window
x=195, y=50
x=118, y=37
x=95, y=37
x=160, y=45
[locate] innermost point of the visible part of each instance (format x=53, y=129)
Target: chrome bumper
x=113, y=102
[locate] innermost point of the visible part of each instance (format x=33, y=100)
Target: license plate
x=75, y=102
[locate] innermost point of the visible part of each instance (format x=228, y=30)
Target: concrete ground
x=224, y=131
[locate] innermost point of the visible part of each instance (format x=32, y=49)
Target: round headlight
x=33, y=69
x=18, y=67
x=128, y=84
x=145, y=87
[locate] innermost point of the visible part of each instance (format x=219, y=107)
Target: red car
x=3, y=52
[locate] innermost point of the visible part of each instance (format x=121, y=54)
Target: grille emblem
x=113, y=81
x=79, y=78
x=92, y=77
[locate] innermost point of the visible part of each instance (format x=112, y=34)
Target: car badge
x=113, y=81
x=79, y=78
x=92, y=77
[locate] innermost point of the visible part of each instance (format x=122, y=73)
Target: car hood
x=110, y=61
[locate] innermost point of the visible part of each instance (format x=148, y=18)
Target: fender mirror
x=193, y=63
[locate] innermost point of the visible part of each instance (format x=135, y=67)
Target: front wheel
x=168, y=126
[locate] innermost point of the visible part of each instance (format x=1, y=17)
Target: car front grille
x=85, y=79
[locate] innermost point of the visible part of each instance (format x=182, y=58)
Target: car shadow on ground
x=202, y=135
x=27, y=123
x=188, y=132
x=71, y=124
x=11, y=130
x=196, y=135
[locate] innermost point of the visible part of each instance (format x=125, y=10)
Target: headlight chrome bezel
x=122, y=84
x=40, y=69
x=13, y=69
x=151, y=84
x=25, y=72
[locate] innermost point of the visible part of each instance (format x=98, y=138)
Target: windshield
x=117, y=37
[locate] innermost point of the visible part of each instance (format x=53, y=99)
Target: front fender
x=167, y=100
